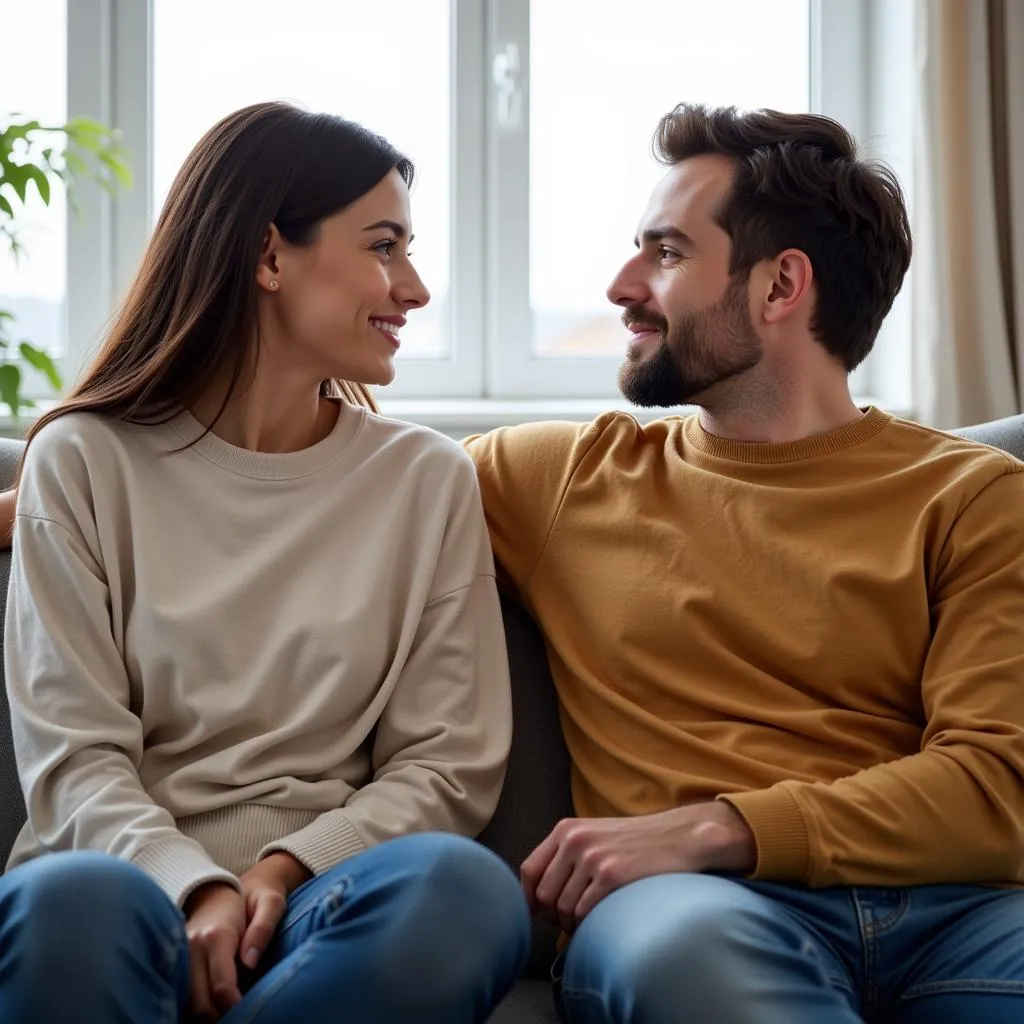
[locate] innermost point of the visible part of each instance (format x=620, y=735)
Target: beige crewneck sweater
x=214, y=653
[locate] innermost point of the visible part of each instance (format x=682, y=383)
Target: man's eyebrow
x=654, y=235
x=391, y=225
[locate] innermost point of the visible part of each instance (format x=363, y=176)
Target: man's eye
x=665, y=253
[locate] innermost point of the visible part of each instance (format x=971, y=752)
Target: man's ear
x=788, y=281
x=268, y=268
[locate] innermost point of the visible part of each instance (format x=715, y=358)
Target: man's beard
x=701, y=351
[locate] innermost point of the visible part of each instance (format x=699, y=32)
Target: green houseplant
x=46, y=157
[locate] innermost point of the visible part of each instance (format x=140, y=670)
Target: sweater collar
x=862, y=429
x=270, y=465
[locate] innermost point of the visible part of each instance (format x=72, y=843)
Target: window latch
x=505, y=72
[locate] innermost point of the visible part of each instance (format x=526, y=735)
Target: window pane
x=601, y=78
x=386, y=65
x=33, y=87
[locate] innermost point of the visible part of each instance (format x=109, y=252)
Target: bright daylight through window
x=529, y=124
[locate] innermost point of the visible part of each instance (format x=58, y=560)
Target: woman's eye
x=386, y=246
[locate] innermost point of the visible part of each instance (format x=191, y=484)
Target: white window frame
x=490, y=356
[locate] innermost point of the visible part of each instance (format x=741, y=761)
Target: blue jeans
x=700, y=949
x=428, y=928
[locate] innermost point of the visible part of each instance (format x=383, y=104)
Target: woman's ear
x=268, y=268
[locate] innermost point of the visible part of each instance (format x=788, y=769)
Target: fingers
x=220, y=951
x=564, y=910
x=264, y=908
x=594, y=893
x=199, y=996
x=552, y=884
x=534, y=867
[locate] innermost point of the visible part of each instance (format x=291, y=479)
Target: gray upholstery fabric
x=530, y=1002
x=536, y=794
x=1007, y=434
x=10, y=453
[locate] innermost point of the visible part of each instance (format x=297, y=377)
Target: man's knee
x=673, y=943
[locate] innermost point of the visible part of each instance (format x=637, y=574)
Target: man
x=787, y=633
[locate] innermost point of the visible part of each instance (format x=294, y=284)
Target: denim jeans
x=431, y=929
x=700, y=949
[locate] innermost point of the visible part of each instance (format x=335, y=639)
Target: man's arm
x=954, y=812
x=524, y=473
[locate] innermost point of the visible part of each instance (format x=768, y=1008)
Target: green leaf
x=42, y=362
x=117, y=167
x=80, y=123
x=42, y=182
x=10, y=387
x=21, y=131
x=16, y=176
x=76, y=165
x=6, y=207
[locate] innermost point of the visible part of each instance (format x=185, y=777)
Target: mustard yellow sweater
x=828, y=633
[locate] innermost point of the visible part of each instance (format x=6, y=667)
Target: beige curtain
x=968, y=211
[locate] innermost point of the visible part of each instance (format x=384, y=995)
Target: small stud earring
x=273, y=286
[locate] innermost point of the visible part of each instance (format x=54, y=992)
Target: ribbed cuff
x=783, y=847
x=321, y=844
x=179, y=865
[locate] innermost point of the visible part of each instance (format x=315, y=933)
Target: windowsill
x=459, y=417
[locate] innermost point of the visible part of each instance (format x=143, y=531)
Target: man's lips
x=642, y=331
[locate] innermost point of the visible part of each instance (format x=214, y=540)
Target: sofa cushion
x=536, y=794
x=530, y=1002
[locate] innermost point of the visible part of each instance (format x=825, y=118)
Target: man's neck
x=794, y=418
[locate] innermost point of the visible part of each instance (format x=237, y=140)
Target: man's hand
x=584, y=859
x=214, y=922
x=266, y=886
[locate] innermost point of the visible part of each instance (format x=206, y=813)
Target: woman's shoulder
x=75, y=436
x=415, y=444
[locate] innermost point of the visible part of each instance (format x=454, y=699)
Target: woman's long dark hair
x=191, y=310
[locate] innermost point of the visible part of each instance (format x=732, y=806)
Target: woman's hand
x=214, y=922
x=266, y=886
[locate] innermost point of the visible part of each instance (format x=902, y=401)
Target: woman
x=255, y=659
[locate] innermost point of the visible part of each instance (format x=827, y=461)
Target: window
x=33, y=83
x=598, y=81
x=529, y=123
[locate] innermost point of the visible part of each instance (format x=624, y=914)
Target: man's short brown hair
x=799, y=184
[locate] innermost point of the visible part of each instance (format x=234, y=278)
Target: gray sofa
x=536, y=793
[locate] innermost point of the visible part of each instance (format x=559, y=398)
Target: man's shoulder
x=561, y=442
x=955, y=460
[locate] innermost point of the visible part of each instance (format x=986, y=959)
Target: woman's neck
x=280, y=417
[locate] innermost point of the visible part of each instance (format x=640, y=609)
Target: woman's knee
x=79, y=899
x=469, y=883
x=462, y=918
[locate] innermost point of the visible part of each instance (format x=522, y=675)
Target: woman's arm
x=8, y=503
x=441, y=744
x=77, y=742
